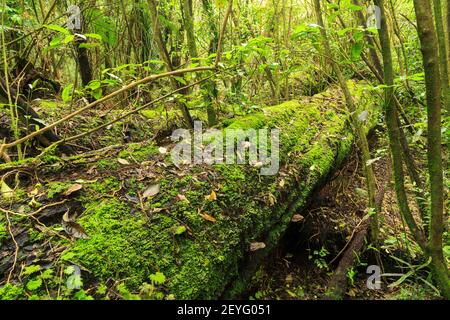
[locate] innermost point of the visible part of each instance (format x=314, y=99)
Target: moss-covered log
x=200, y=242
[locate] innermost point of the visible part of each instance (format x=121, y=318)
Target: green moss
x=48, y=105
x=207, y=257
x=122, y=245
x=56, y=188
x=138, y=151
x=105, y=186
x=11, y=292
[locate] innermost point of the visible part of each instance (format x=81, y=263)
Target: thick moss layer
x=131, y=238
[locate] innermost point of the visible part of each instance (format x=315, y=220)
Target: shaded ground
x=301, y=266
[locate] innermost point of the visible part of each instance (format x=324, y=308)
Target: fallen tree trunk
x=205, y=226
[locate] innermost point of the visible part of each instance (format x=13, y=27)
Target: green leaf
x=56, y=41
x=181, y=80
x=97, y=94
x=180, y=230
x=94, y=85
x=356, y=51
x=158, y=278
x=74, y=281
x=66, y=94
x=69, y=38
x=354, y=7
x=55, y=27
x=69, y=270
x=34, y=284
x=94, y=36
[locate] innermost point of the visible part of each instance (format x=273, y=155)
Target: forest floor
x=301, y=266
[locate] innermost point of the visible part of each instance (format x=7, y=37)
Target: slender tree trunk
x=164, y=55
x=429, y=44
x=372, y=52
x=442, y=52
x=189, y=26
x=394, y=132
x=210, y=87
x=361, y=136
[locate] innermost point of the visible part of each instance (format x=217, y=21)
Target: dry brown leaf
x=151, y=191
x=257, y=246
x=182, y=197
x=123, y=161
x=74, y=229
x=297, y=218
x=207, y=217
x=73, y=188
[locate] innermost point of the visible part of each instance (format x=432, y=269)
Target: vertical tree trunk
x=164, y=55
x=373, y=54
x=429, y=44
x=394, y=131
x=437, y=6
x=209, y=86
x=361, y=136
x=188, y=15
x=84, y=64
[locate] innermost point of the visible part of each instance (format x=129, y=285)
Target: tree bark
x=443, y=59
x=164, y=55
x=394, y=132
x=429, y=46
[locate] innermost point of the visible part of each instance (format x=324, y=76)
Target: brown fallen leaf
x=72, y=228
x=151, y=191
x=272, y=200
x=207, y=217
x=73, y=188
x=257, y=246
x=123, y=161
x=297, y=218
x=182, y=197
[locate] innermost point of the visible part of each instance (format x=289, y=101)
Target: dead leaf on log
x=73, y=188
x=72, y=228
x=207, y=217
x=6, y=191
x=182, y=197
x=297, y=218
x=271, y=199
x=123, y=161
x=151, y=191
x=212, y=196
x=254, y=246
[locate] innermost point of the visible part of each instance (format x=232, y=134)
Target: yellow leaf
x=212, y=196
x=207, y=217
x=6, y=191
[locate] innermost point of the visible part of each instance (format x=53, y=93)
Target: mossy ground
x=132, y=237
